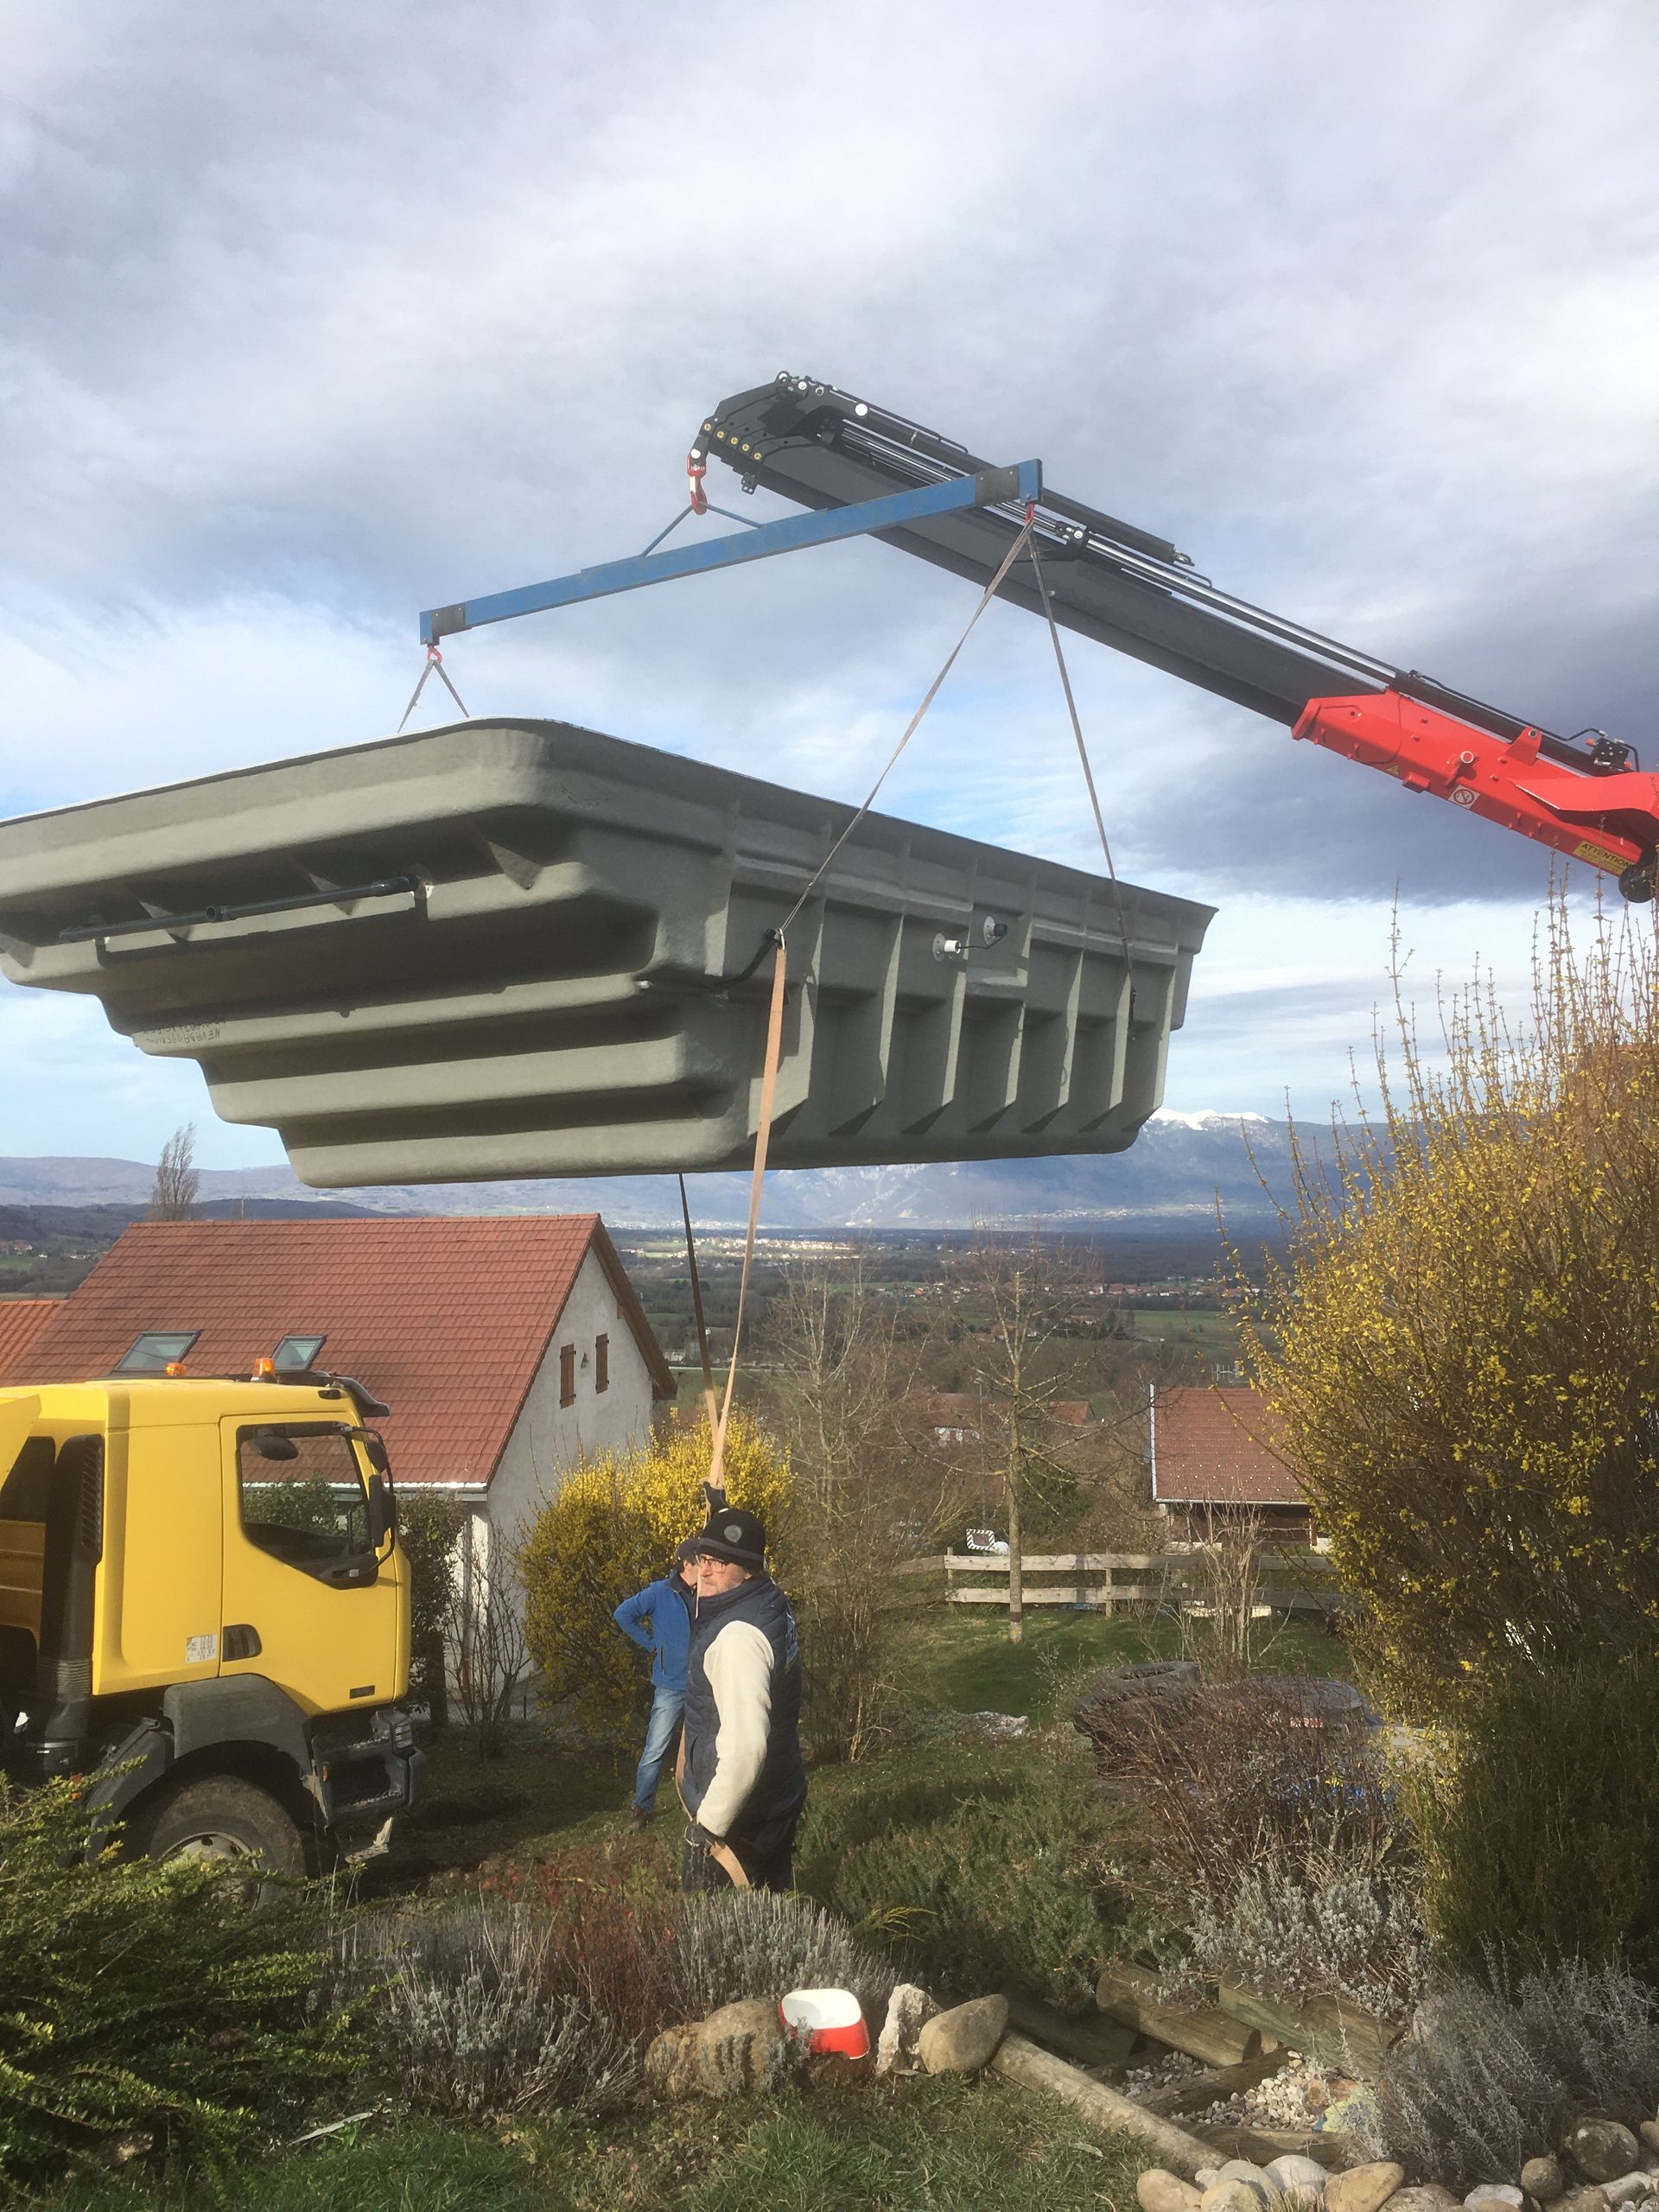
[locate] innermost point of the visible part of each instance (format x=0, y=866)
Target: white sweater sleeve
x=738, y=1663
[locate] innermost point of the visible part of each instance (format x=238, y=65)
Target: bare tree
x=173, y=1198
x=845, y=1389
x=485, y=1630
x=1021, y=1289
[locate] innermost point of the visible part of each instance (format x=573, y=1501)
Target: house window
x=567, y=1374
x=602, y=1362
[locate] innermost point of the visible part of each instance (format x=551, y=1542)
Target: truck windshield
x=302, y=1494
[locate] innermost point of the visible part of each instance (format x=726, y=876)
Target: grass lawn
x=846, y=2145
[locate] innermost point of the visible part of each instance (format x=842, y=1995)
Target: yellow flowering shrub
x=1463, y=1343
x=612, y=1527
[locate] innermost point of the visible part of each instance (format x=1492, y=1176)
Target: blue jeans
x=666, y=1707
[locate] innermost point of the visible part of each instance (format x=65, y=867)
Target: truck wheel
x=221, y=1817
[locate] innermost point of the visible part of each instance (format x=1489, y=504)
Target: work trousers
x=666, y=1707
x=770, y=1864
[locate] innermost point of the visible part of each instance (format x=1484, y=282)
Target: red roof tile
x=446, y=1319
x=21, y=1320
x=1218, y=1447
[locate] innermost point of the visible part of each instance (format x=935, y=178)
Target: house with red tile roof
x=21, y=1320
x=508, y=1346
x=1216, y=1456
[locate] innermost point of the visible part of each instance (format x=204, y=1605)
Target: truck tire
x=222, y=1817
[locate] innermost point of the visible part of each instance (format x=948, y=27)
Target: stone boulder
x=1158, y=2190
x=1601, y=2149
x=742, y=2050
x=964, y=2039
x=1363, y=2189
x=1542, y=2179
x=909, y=2010
x=671, y=2062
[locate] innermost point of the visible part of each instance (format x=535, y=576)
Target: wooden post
x=1022, y=2062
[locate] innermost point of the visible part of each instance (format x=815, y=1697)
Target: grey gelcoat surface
x=548, y=999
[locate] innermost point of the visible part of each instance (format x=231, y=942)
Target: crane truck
x=204, y=1611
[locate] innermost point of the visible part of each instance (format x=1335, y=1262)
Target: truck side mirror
x=270, y=1444
x=382, y=1513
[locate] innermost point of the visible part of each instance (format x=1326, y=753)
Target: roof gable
x=1219, y=1446
x=445, y=1318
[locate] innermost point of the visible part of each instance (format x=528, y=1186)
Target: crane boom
x=1135, y=591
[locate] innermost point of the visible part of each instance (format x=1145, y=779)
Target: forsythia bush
x=612, y=1527
x=1465, y=1344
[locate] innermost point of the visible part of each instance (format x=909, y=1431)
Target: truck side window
x=302, y=1494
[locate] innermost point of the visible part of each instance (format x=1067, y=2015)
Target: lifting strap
x=708, y=1406
x=434, y=659
x=723, y=1854
x=779, y=980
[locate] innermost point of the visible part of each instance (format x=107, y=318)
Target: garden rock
x=1293, y=2171
x=909, y=2010
x=742, y=2049
x=1426, y=2196
x=1494, y=2197
x=1602, y=2148
x=1158, y=2190
x=1363, y=2189
x=671, y=2062
x=1234, y=2195
x=1650, y=2134
x=1628, y=2189
x=965, y=2039
x=1543, y=2180
x=1254, y=2178
x=1583, y=2200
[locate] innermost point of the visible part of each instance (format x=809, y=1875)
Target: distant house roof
x=21, y=1320
x=446, y=1319
x=1217, y=1446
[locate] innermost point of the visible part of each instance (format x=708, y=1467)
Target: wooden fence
x=1111, y=1582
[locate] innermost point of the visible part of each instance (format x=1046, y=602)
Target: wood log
x=1125, y=1994
x=1325, y=2028
x=1087, y=2043
x=1200, y=2090
x=1330, y=2148
x=1035, y=2069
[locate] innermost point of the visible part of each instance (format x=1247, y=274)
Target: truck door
x=306, y=1603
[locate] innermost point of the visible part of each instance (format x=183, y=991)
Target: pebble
x=1542, y=2179
x=1159, y=2192
x=1363, y=2189
x=1601, y=2148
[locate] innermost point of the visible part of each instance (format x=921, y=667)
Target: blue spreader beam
x=988, y=488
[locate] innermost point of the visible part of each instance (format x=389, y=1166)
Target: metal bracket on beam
x=989, y=488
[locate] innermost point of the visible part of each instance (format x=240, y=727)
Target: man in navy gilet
x=744, y=1783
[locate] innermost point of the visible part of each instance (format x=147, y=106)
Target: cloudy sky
x=312, y=317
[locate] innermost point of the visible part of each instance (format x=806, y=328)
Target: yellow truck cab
x=204, y=1609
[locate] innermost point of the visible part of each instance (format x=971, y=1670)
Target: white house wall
x=548, y=1438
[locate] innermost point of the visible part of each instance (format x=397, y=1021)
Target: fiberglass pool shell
x=533, y=973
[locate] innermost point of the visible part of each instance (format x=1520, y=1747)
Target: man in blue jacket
x=658, y=1619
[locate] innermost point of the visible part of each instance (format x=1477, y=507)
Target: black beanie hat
x=734, y=1534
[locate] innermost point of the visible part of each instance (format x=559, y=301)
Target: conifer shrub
x=1538, y=1815
x=157, y=2006
x=611, y=1528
